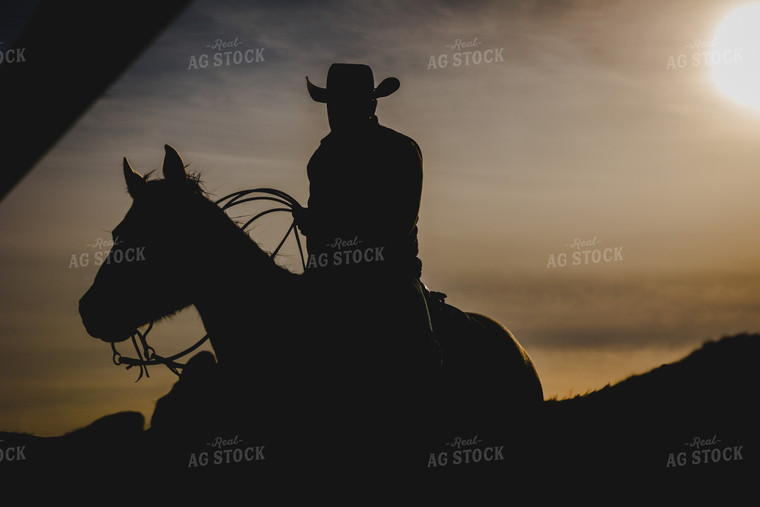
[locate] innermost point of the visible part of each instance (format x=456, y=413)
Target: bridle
x=145, y=354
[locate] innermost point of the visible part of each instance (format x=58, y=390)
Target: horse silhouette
x=273, y=371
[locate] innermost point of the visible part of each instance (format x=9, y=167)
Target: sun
x=734, y=55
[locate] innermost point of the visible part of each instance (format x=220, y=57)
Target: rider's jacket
x=365, y=191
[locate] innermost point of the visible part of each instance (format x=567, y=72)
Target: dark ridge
x=716, y=371
x=622, y=440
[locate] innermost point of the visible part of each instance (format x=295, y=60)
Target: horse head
x=147, y=273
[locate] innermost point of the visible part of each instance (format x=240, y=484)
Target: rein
x=146, y=355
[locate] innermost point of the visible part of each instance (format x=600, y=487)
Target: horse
x=275, y=345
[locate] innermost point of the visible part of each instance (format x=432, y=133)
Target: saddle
x=443, y=316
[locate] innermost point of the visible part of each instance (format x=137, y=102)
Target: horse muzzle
x=101, y=323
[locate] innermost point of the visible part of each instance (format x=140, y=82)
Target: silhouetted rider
x=365, y=183
x=361, y=224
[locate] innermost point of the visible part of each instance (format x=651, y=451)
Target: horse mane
x=195, y=184
x=192, y=179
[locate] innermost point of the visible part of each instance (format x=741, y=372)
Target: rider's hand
x=301, y=216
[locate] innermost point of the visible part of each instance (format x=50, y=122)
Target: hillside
x=692, y=420
x=691, y=423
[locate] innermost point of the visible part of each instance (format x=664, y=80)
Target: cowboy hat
x=349, y=82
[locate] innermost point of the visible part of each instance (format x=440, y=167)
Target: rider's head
x=347, y=114
x=351, y=96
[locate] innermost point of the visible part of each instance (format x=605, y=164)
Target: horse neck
x=239, y=286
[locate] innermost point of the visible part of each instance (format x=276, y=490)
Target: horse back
x=483, y=360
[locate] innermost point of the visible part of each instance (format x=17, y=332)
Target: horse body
x=278, y=364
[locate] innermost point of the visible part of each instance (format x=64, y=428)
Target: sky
x=571, y=126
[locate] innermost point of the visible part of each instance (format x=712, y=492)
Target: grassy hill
x=693, y=423
x=681, y=427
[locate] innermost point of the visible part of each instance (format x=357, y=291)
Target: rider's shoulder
x=396, y=137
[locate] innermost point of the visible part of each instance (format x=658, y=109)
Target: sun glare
x=734, y=55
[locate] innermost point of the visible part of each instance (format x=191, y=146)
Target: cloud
x=601, y=308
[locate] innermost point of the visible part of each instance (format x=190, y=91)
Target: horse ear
x=135, y=182
x=174, y=168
